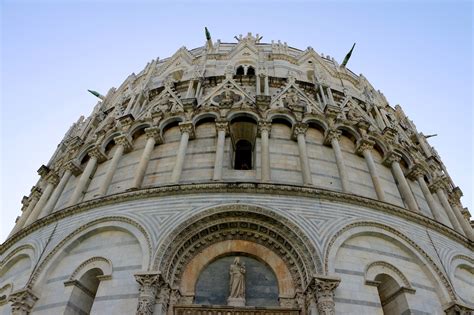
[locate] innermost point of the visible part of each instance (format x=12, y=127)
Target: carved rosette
x=323, y=288
x=149, y=285
x=22, y=301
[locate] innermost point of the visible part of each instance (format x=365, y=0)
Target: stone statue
x=237, y=283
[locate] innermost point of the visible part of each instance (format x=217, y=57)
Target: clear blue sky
x=419, y=54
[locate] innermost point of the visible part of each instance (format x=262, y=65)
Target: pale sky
x=419, y=54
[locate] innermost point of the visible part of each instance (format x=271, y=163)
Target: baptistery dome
x=245, y=178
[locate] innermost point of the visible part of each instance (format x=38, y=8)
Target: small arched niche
x=260, y=282
x=392, y=297
x=84, y=292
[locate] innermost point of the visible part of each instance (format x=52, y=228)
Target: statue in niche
x=237, y=283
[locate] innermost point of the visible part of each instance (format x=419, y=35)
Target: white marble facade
x=248, y=147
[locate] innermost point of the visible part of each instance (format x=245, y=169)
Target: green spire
x=96, y=94
x=208, y=35
x=348, y=56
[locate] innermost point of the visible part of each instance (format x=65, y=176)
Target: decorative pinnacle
x=97, y=94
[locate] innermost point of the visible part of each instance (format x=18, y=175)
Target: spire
x=97, y=94
x=348, y=56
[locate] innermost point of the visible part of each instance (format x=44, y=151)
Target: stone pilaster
x=153, y=137
x=124, y=145
x=222, y=128
x=364, y=148
x=299, y=132
x=187, y=132
x=439, y=187
x=392, y=160
x=332, y=138
x=150, y=284
x=264, y=129
x=22, y=301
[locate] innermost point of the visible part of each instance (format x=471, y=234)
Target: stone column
x=153, y=137
x=438, y=187
x=124, y=144
x=52, y=180
x=466, y=227
x=418, y=173
x=299, y=132
x=364, y=148
x=322, y=288
x=392, y=160
x=22, y=301
x=264, y=128
x=221, y=127
x=149, y=285
x=71, y=169
x=187, y=131
x=96, y=155
x=266, y=87
x=32, y=200
x=332, y=137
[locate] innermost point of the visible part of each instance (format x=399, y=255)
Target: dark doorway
x=243, y=155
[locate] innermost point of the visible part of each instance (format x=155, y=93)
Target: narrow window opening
x=243, y=155
x=240, y=71
x=250, y=71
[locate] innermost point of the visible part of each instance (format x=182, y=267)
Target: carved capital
x=43, y=170
x=124, y=141
x=439, y=183
x=416, y=171
x=74, y=167
x=22, y=301
x=322, y=288
x=52, y=178
x=35, y=193
x=363, y=145
x=150, y=283
x=390, y=158
x=264, y=125
x=187, y=127
x=299, y=128
x=222, y=125
x=154, y=132
x=330, y=135
x=97, y=153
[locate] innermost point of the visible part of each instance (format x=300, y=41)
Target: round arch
x=165, y=123
x=137, y=127
x=204, y=115
x=444, y=288
x=108, y=138
x=284, y=116
x=106, y=223
x=199, y=262
x=243, y=223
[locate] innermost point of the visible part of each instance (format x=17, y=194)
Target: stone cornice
x=248, y=187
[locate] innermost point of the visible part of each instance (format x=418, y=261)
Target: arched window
x=240, y=71
x=250, y=71
x=243, y=155
x=84, y=292
x=392, y=296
